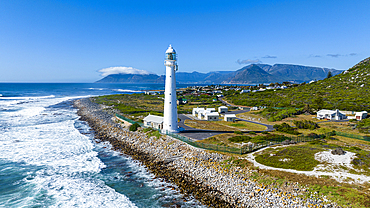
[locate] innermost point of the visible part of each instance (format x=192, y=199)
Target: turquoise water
x=48, y=157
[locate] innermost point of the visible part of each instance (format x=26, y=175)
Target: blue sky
x=70, y=41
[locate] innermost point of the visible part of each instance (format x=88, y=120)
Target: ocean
x=48, y=157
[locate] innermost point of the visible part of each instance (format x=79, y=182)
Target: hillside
x=346, y=91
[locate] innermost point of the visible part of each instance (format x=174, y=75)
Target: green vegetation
x=364, y=126
x=133, y=105
x=224, y=126
x=273, y=114
x=295, y=157
x=154, y=133
x=134, y=127
x=257, y=139
x=346, y=91
x=286, y=128
x=214, y=140
x=306, y=124
x=301, y=157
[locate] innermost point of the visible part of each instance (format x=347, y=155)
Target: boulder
x=287, y=142
x=338, y=151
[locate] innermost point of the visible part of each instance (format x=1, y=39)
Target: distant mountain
x=202, y=78
x=298, y=73
x=349, y=91
x=251, y=74
x=132, y=78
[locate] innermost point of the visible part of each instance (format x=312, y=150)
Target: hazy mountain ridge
x=251, y=74
x=349, y=90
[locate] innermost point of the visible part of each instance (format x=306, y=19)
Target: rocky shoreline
x=198, y=172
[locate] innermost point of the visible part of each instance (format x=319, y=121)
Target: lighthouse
x=170, y=102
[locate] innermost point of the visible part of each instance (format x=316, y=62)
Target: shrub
x=134, y=127
x=364, y=126
x=273, y=114
x=238, y=132
x=313, y=135
x=306, y=124
x=252, y=132
x=258, y=139
x=240, y=139
x=284, y=127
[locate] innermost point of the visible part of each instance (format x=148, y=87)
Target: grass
x=300, y=157
x=220, y=139
x=133, y=106
x=154, y=133
x=225, y=126
x=256, y=139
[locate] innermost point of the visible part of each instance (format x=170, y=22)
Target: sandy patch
x=328, y=157
x=340, y=175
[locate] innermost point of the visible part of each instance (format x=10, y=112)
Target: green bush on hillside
x=273, y=114
x=134, y=127
x=306, y=124
x=364, y=126
x=284, y=127
x=258, y=139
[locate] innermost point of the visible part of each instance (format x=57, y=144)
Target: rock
x=358, y=162
x=288, y=142
x=338, y=151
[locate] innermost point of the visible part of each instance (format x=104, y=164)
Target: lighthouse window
x=170, y=93
x=170, y=102
x=169, y=56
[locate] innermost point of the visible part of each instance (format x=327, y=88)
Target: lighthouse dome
x=170, y=50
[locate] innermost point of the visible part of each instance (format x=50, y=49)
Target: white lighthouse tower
x=170, y=102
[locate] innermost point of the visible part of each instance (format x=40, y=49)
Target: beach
x=197, y=172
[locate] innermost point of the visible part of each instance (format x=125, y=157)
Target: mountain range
x=251, y=74
x=349, y=91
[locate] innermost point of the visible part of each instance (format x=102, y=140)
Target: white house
x=196, y=111
x=330, y=114
x=201, y=114
x=153, y=121
x=244, y=91
x=230, y=117
x=211, y=109
x=361, y=115
x=222, y=109
x=211, y=116
x=254, y=108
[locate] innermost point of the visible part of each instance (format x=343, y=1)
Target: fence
x=353, y=136
x=247, y=148
x=244, y=149
x=128, y=120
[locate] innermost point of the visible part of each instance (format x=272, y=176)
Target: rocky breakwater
x=201, y=173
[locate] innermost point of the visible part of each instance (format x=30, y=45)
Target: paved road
x=200, y=134
x=197, y=134
x=269, y=127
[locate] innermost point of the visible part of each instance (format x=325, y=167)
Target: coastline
x=195, y=171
